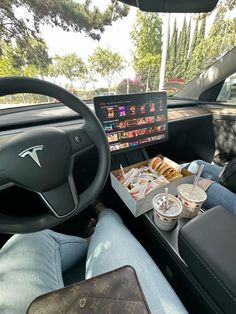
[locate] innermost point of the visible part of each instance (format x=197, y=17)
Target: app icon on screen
x=122, y=112
x=132, y=110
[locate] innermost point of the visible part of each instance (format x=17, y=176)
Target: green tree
x=194, y=39
x=71, y=66
x=202, y=31
x=6, y=62
x=182, y=52
x=34, y=60
x=197, y=49
x=53, y=70
x=185, y=51
x=107, y=63
x=132, y=86
x=227, y=4
x=16, y=60
x=220, y=39
x=188, y=39
x=146, y=35
x=67, y=14
x=171, y=54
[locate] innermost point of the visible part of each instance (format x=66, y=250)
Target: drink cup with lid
x=191, y=199
x=166, y=210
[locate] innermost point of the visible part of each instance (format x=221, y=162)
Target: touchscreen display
x=133, y=120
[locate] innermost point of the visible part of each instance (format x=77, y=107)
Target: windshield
x=104, y=48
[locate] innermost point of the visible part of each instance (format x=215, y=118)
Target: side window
x=228, y=91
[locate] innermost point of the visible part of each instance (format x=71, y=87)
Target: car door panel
x=224, y=119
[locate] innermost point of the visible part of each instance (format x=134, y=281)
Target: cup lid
x=170, y=212
x=198, y=195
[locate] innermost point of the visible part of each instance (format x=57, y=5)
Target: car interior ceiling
x=173, y=6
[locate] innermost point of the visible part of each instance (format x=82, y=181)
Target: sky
x=116, y=37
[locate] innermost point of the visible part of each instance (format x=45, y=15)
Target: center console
x=170, y=238
x=203, y=249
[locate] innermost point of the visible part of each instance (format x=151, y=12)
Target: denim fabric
x=32, y=264
x=113, y=246
x=217, y=194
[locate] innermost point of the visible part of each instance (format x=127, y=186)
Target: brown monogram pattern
x=116, y=292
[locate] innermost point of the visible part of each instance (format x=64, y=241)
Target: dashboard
x=183, y=144
x=17, y=120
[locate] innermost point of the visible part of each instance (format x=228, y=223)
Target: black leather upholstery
x=208, y=246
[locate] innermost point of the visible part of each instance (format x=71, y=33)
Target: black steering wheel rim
x=15, y=85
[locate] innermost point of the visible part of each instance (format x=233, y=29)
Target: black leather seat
x=208, y=246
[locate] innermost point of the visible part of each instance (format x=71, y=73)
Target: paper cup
x=191, y=204
x=166, y=219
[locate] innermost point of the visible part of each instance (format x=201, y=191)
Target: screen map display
x=133, y=120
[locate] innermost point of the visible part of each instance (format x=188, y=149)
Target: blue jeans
x=217, y=194
x=32, y=264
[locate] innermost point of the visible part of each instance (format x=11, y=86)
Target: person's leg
x=32, y=264
x=217, y=194
x=209, y=171
x=72, y=249
x=112, y=246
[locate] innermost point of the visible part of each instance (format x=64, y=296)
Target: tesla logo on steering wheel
x=32, y=152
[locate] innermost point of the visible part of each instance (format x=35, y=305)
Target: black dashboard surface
x=19, y=119
x=11, y=118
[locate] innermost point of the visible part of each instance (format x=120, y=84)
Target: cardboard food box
x=141, y=206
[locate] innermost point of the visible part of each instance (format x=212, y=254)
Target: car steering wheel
x=41, y=159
